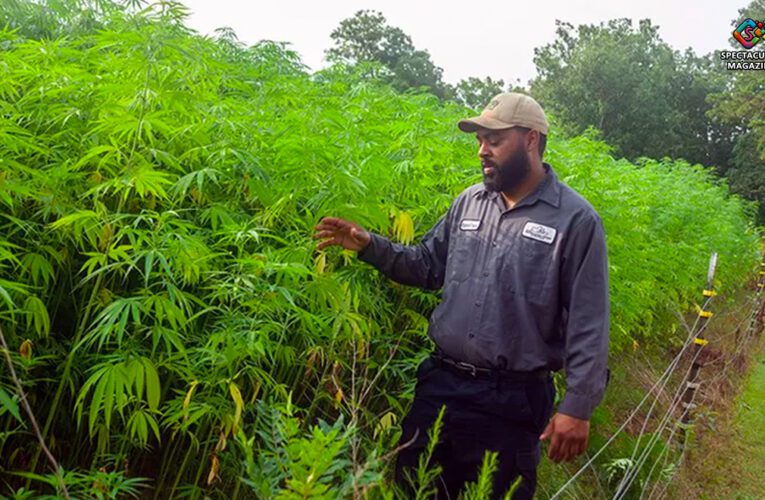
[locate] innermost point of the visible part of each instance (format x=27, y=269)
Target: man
x=522, y=261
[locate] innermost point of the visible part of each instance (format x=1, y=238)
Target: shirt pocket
x=537, y=266
x=461, y=259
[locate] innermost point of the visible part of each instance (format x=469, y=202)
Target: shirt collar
x=547, y=191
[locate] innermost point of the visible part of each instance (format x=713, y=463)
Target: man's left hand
x=568, y=437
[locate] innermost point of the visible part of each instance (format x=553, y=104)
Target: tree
x=476, y=93
x=646, y=98
x=741, y=105
x=367, y=37
x=747, y=173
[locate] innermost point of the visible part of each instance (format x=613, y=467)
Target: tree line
x=618, y=77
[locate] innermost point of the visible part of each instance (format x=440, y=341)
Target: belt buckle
x=463, y=365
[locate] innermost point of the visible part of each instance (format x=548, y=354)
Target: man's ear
x=532, y=141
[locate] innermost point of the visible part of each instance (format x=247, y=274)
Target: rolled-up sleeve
x=585, y=297
x=422, y=265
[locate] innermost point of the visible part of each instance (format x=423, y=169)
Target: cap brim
x=473, y=124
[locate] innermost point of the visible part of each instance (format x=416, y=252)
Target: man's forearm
x=409, y=265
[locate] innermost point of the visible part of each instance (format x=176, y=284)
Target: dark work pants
x=481, y=414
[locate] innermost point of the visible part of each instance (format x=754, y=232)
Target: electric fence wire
x=613, y=437
x=756, y=301
x=626, y=483
x=630, y=476
x=664, y=453
x=666, y=416
x=661, y=381
x=743, y=341
x=635, y=467
x=675, y=464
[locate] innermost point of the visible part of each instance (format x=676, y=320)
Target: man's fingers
x=548, y=430
x=553, y=453
x=321, y=226
x=325, y=244
x=332, y=221
x=569, y=451
x=324, y=234
x=563, y=450
x=572, y=448
x=583, y=447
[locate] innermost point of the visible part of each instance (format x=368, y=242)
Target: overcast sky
x=466, y=38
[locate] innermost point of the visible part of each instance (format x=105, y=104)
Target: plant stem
x=32, y=419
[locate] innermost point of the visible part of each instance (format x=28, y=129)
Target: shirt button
x=493, y=243
x=478, y=303
x=471, y=335
x=485, y=273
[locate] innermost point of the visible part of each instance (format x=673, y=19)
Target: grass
x=750, y=421
x=725, y=456
x=727, y=459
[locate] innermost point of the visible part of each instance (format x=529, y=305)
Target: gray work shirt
x=523, y=288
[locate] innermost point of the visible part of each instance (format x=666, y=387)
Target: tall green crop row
x=663, y=221
x=158, y=191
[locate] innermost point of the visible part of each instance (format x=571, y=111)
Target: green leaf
x=9, y=404
x=137, y=374
x=37, y=315
x=154, y=427
x=96, y=403
x=152, y=384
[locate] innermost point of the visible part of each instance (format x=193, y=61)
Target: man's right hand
x=347, y=234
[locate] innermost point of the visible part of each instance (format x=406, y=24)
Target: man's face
x=504, y=159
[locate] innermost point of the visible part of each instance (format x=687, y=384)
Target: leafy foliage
x=740, y=105
x=476, y=92
x=368, y=39
x=646, y=98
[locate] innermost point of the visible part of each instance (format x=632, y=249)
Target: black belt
x=464, y=368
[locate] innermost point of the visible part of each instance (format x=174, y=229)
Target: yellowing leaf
x=361, y=349
x=385, y=423
x=255, y=392
x=214, y=468
x=321, y=262
x=403, y=227
x=236, y=395
x=221, y=444
x=26, y=349
x=187, y=399
x=349, y=256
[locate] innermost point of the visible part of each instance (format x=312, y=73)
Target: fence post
x=760, y=304
x=699, y=342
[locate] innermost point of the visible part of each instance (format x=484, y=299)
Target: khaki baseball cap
x=506, y=110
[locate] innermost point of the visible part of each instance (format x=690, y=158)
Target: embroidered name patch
x=470, y=224
x=538, y=232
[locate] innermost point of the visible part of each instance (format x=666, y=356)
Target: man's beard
x=508, y=175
